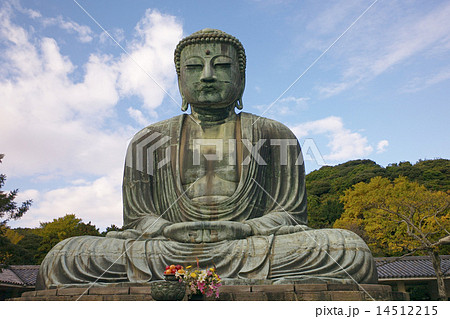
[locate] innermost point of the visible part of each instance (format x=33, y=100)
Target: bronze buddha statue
x=226, y=188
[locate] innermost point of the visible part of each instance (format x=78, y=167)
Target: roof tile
x=27, y=273
x=9, y=277
x=410, y=266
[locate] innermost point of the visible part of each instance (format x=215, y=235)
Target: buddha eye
x=194, y=66
x=222, y=62
x=222, y=65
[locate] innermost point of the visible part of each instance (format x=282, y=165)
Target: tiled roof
x=21, y=275
x=410, y=266
x=27, y=273
x=8, y=276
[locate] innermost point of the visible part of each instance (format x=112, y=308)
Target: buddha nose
x=208, y=74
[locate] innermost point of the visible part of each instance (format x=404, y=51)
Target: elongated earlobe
x=239, y=104
x=184, y=104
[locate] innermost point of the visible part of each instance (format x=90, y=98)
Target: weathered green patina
x=226, y=188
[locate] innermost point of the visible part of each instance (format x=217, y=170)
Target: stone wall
x=297, y=292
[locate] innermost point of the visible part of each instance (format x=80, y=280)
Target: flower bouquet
x=200, y=281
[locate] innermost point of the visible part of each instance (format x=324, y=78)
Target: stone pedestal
x=291, y=292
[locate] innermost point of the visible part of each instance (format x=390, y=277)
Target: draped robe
x=270, y=194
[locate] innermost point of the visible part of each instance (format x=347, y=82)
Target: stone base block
x=291, y=292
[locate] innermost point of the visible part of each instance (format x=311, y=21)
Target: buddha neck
x=210, y=116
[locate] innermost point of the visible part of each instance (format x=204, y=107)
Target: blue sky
x=71, y=98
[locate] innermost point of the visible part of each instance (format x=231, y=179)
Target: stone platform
x=291, y=292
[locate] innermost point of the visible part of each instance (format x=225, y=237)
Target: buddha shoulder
x=162, y=127
x=270, y=128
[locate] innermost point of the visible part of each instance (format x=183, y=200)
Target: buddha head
x=210, y=66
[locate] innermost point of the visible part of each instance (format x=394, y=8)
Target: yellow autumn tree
x=399, y=217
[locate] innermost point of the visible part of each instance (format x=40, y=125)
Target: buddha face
x=209, y=75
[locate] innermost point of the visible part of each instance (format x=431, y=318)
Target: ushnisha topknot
x=211, y=35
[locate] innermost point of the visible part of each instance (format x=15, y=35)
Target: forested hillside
x=325, y=185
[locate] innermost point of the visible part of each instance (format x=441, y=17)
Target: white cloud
x=336, y=88
x=381, y=146
x=334, y=16
x=418, y=83
x=56, y=128
x=151, y=53
x=374, y=49
x=298, y=101
x=117, y=34
x=138, y=116
x=48, y=122
x=284, y=106
x=99, y=201
x=29, y=12
x=344, y=144
x=84, y=32
x=51, y=123
x=411, y=39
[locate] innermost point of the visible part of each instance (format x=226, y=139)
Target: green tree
x=326, y=185
x=13, y=236
x=433, y=174
x=25, y=250
x=5, y=251
x=60, y=229
x=9, y=209
x=326, y=212
x=400, y=217
x=17, y=253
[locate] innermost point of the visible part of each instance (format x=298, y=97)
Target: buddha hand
x=131, y=234
x=291, y=229
x=207, y=232
x=126, y=234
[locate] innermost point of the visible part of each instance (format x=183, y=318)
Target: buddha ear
x=238, y=104
x=184, y=103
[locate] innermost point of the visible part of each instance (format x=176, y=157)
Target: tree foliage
x=29, y=244
x=8, y=207
x=13, y=236
x=398, y=217
x=433, y=174
x=326, y=185
x=60, y=229
x=22, y=253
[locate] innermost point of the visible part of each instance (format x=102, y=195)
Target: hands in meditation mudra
x=226, y=188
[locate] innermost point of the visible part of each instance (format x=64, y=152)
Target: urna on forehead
x=211, y=36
